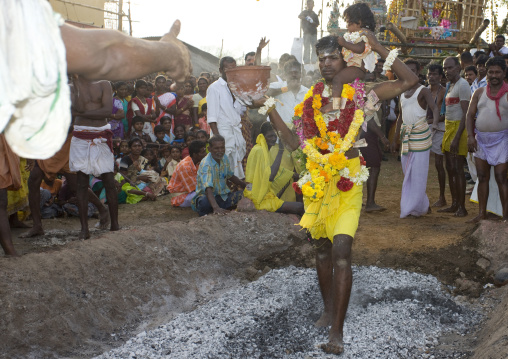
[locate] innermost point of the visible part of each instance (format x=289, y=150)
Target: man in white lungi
x=224, y=116
x=91, y=150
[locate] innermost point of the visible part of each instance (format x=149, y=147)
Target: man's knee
x=500, y=176
x=483, y=176
x=341, y=250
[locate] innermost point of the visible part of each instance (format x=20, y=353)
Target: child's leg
x=345, y=76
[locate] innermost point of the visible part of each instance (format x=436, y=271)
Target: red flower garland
x=310, y=128
x=344, y=184
x=362, y=161
x=297, y=188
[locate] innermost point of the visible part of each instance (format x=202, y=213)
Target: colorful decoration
x=325, y=139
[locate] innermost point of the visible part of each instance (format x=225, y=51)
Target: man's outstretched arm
x=111, y=55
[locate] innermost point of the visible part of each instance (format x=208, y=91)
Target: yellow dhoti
x=336, y=212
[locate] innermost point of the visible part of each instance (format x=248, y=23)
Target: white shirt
x=221, y=108
x=502, y=51
x=290, y=100
x=477, y=84
x=226, y=113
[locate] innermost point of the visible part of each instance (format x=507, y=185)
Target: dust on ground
x=436, y=244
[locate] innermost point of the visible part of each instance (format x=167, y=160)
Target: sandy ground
x=166, y=260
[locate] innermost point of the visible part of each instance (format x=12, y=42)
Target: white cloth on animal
x=93, y=157
x=34, y=95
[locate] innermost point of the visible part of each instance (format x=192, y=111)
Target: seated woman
x=136, y=169
x=269, y=175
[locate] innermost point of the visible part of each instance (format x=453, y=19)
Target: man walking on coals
x=332, y=187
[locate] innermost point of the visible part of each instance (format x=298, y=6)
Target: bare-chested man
x=434, y=76
x=333, y=255
x=47, y=170
x=490, y=145
x=91, y=150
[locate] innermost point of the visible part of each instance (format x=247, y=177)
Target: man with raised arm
x=35, y=115
x=332, y=188
x=490, y=144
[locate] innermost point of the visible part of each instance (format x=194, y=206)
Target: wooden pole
x=301, y=21
x=430, y=46
x=322, y=11
x=130, y=19
x=120, y=17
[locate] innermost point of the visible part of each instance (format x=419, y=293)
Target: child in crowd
x=137, y=130
x=166, y=123
x=116, y=146
x=183, y=108
x=203, y=123
x=164, y=158
x=176, y=157
x=179, y=140
x=202, y=136
x=356, y=50
x=153, y=163
x=160, y=134
x=189, y=137
x=123, y=150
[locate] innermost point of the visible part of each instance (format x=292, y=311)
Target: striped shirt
x=183, y=181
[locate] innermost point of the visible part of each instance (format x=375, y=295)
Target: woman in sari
x=162, y=98
x=141, y=105
x=136, y=169
x=182, y=108
x=270, y=174
x=121, y=93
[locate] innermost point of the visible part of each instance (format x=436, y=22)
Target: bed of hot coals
x=392, y=314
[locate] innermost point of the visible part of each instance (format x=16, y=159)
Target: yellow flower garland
x=321, y=168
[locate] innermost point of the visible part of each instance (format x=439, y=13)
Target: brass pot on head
x=249, y=83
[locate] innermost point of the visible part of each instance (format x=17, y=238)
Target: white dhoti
x=35, y=97
x=92, y=155
x=494, y=204
x=235, y=147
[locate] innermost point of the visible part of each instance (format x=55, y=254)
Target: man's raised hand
x=179, y=67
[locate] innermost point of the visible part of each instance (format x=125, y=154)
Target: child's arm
x=357, y=48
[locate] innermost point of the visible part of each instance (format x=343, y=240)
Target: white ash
x=392, y=314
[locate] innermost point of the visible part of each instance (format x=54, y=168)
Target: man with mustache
x=488, y=135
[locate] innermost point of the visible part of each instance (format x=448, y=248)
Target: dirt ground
x=166, y=260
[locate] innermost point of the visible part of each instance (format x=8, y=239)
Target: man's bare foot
x=461, y=212
x=84, y=234
x=324, y=321
x=34, y=232
x=114, y=228
x=429, y=211
x=477, y=219
x=104, y=219
x=440, y=203
x=452, y=209
x=374, y=208
x=333, y=347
